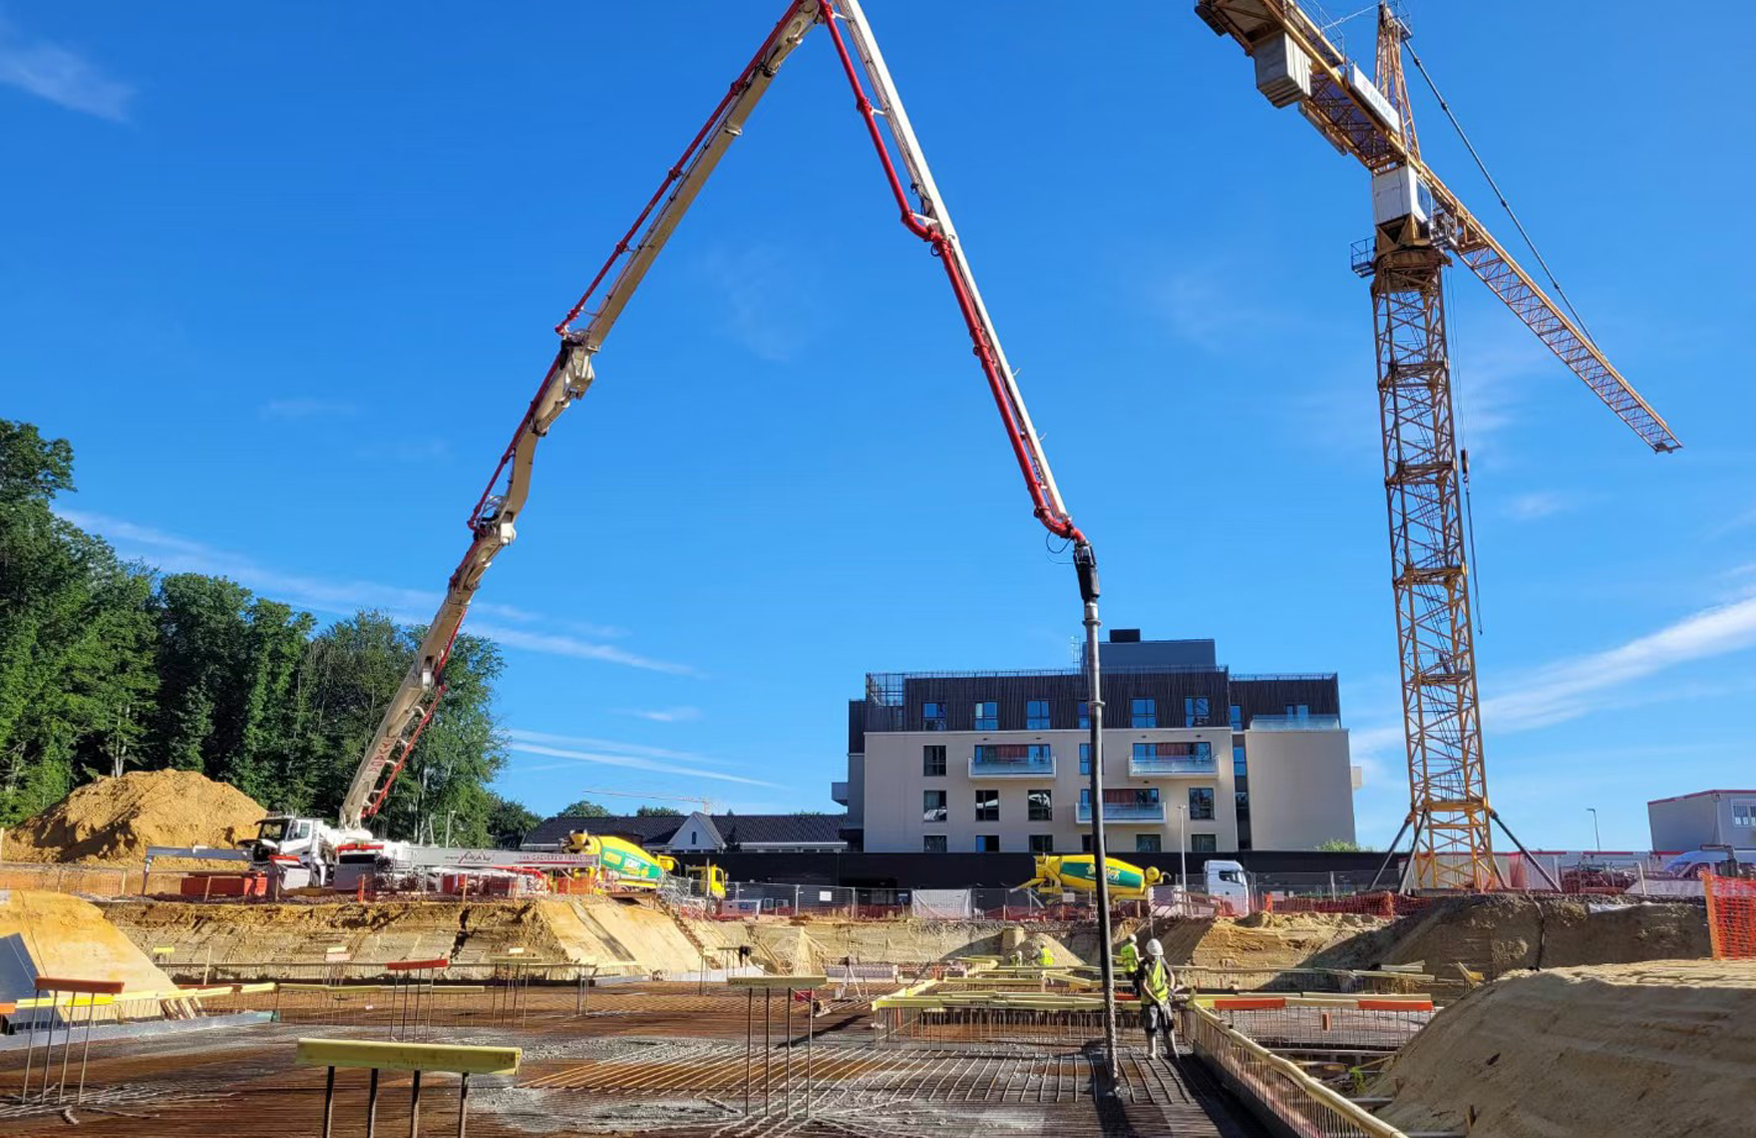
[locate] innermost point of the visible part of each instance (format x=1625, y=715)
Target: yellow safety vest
x=1044, y=956
x=1130, y=956
x=1158, y=982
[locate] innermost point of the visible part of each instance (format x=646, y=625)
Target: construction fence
x=1731, y=915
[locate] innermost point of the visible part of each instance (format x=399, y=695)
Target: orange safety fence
x=1731, y=915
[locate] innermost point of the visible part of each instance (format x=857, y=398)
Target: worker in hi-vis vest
x=1155, y=982
x=1044, y=956
x=1128, y=956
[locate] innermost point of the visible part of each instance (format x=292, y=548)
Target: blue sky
x=285, y=275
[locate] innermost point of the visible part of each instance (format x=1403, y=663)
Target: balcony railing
x=1295, y=723
x=1171, y=764
x=1011, y=768
x=1125, y=812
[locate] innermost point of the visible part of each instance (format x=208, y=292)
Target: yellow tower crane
x=1419, y=227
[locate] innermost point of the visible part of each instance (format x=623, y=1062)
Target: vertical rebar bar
x=91, y=1010
x=749, y=1031
x=371, y=1103
x=462, y=1103
x=415, y=1108
x=329, y=1102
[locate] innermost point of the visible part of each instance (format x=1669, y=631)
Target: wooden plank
x=386, y=1056
x=92, y=987
x=416, y=965
x=778, y=983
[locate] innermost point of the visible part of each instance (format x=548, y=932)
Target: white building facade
x=1194, y=758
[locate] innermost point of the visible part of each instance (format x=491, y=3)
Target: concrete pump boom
x=493, y=521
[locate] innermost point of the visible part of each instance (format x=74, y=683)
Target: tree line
x=108, y=666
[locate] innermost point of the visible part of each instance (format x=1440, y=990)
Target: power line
x=1504, y=204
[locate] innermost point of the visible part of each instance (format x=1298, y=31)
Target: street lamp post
x=1595, y=837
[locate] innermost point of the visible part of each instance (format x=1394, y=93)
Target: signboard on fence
x=943, y=904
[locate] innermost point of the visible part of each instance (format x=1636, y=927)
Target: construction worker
x=1044, y=957
x=1155, y=982
x=1128, y=956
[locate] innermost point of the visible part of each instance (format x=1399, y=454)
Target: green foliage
x=657, y=812
x=1342, y=845
x=508, y=822
x=584, y=808
x=107, y=667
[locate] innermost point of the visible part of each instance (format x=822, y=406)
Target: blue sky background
x=285, y=275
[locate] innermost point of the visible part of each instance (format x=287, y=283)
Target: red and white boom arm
x=492, y=522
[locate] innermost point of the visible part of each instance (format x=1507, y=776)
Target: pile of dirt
x=66, y=937
x=1654, y=1048
x=1506, y=932
x=113, y=820
x=1260, y=940
x=286, y=940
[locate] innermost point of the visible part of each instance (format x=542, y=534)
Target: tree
x=1342, y=845
x=508, y=822
x=584, y=808
x=657, y=812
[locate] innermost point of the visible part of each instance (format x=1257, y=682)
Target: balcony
x=1012, y=761
x=1149, y=766
x=1125, y=812
x=838, y=793
x=1295, y=723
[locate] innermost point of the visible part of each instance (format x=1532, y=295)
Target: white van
x=1689, y=864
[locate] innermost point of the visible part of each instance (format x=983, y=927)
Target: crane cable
x=1495, y=186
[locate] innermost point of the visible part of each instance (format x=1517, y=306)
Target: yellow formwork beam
x=780, y=983
x=386, y=1056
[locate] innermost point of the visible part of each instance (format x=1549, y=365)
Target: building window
x=933, y=761
x=1298, y=710
x=987, y=716
x=988, y=806
x=1036, y=714
x=1122, y=796
x=1243, y=802
x=1200, y=751
x=933, y=843
x=1239, y=768
x=1042, y=805
x=933, y=808
x=1143, y=713
x=987, y=843
x=1085, y=843
x=1085, y=759
x=1744, y=814
x=1042, y=843
x=932, y=717
x=1237, y=718
x=1203, y=843
x=1148, y=843
x=1084, y=716
x=1195, y=711
x=1201, y=804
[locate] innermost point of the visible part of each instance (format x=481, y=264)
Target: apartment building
x=1194, y=757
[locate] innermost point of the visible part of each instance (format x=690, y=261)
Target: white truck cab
x=1226, y=884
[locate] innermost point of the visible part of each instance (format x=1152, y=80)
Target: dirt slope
x=113, y=820
x=1654, y=1049
x=69, y=938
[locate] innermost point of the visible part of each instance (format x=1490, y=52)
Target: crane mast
x=1419, y=224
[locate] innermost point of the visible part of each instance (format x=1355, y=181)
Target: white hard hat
x=1133, y=936
x=1154, y=948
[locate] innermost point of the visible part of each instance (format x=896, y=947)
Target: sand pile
x=1261, y=940
x=113, y=820
x=259, y=941
x=1498, y=934
x=1654, y=1049
x=69, y=938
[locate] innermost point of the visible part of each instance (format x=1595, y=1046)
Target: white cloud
x=663, y=714
x=596, y=744
x=1211, y=309
x=306, y=409
x=1572, y=688
x=770, y=298
x=174, y=554
x=60, y=75
x=1538, y=504
x=631, y=762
